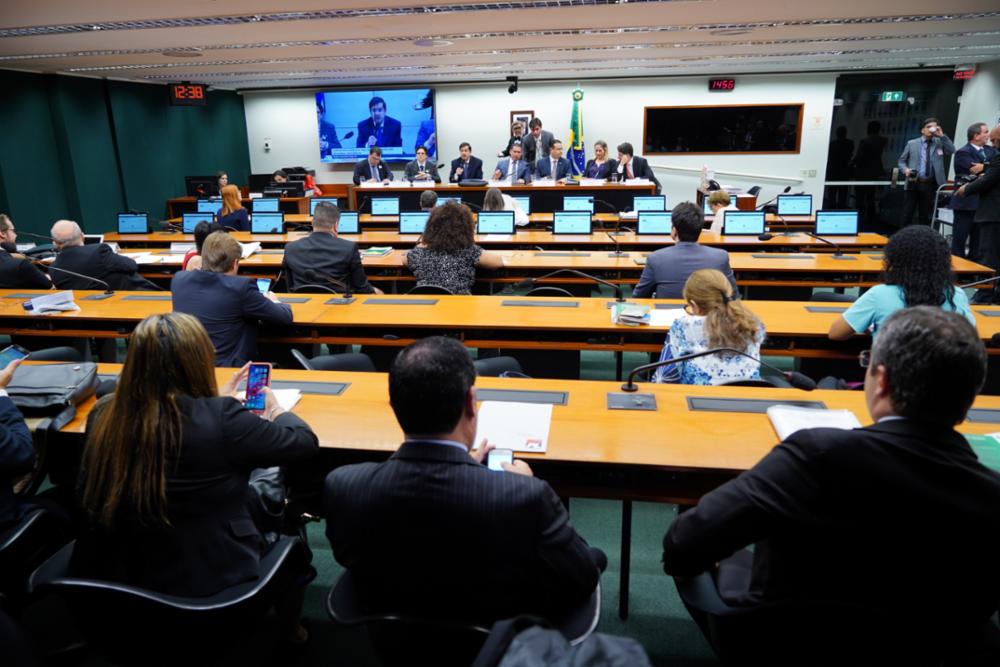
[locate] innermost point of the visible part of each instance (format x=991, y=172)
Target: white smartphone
x=498, y=456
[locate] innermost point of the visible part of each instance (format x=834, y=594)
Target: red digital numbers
x=188, y=94
x=721, y=85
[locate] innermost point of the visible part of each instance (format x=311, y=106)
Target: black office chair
x=833, y=297
x=68, y=354
x=548, y=290
x=498, y=367
x=418, y=639
x=430, y=289
x=132, y=625
x=347, y=361
x=754, y=191
x=24, y=546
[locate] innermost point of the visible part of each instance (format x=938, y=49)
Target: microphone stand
x=838, y=251
x=767, y=236
x=796, y=379
x=108, y=292
x=528, y=282
x=348, y=297
x=618, y=251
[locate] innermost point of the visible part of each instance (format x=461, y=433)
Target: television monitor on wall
x=749, y=128
x=397, y=121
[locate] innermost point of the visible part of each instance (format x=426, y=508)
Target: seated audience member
x=467, y=518
x=221, y=181
x=600, y=166
x=447, y=255
x=192, y=259
x=553, y=166
x=233, y=214
x=310, y=187
x=372, y=169
x=228, y=305
x=668, y=268
x=428, y=200
x=713, y=318
x=279, y=176
x=166, y=466
x=516, y=137
x=17, y=451
x=97, y=260
x=720, y=202
x=513, y=169
x=899, y=516
x=421, y=169
x=629, y=166
x=916, y=272
x=16, y=270
x=327, y=255
x=498, y=201
x=466, y=166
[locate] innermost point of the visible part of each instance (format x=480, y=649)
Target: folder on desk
x=521, y=427
x=787, y=419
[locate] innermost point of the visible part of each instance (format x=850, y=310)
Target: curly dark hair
x=449, y=228
x=918, y=260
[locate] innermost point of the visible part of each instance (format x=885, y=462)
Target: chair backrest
x=57, y=354
x=25, y=545
x=548, y=290
x=302, y=359
x=348, y=361
x=430, y=289
x=497, y=366
x=833, y=297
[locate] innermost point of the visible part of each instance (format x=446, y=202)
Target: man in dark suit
x=479, y=544
x=372, y=169
x=326, y=254
x=987, y=186
x=229, y=306
x=970, y=160
x=97, y=261
x=899, y=516
x=466, y=167
x=16, y=270
x=629, y=166
x=668, y=268
x=513, y=169
x=379, y=129
x=555, y=166
x=922, y=163
x=17, y=451
x=537, y=142
x=421, y=169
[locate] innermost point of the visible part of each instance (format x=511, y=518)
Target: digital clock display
x=188, y=94
x=721, y=85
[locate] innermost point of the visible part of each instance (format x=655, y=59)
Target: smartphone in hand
x=264, y=285
x=10, y=353
x=258, y=379
x=498, y=456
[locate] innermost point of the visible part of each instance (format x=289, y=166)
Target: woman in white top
x=713, y=318
x=498, y=201
x=720, y=202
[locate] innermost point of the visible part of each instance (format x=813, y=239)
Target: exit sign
x=893, y=96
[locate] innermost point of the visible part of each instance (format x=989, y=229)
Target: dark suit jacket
x=474, y=172
x=535, y=150
x=238, y=219
x=432, y=531
x=230, y=308
x=362, y=171
x=965, y=157
x=328, y=255
x=604, y=172
x=212, y=542
x=543, y=168
x=523, y=169
x=668, y=269
x=640, y=169
x=17, y=456
x=100, y=261
x=897, y=515
x=392, y=132
x=987, y=186
x=413, y=168
x=21, y=273
x=510, y=142
x=941, y=148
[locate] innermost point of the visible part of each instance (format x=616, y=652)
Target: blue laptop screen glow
x=655, y=222
x=708, y=208
x=209, y=206
x=578, y=204
x=192, y=219
x=385, y=206
x=571, y=222
x=444, y=200
x=313, y=203
x=743, y=222
x=833, y=223
x=795, y=204
x=649, y=203
x=412, y=222
x=348, y=223
x=267, y=205
x=267, y=222
x=524, y=202
x=133, y=223
x=496, y=222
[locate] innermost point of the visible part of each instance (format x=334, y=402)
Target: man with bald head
x=97, y=261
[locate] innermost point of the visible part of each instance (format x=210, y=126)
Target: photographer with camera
x=922, y=162
x=970, y=160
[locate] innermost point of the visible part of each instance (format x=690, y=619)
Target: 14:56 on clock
x=721, y=85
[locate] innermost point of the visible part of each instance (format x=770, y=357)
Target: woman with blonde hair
x=498, y=201
x=233, y=215
x=713, y=317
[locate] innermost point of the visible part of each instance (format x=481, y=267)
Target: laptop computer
x=412, y=222
x=578, y=203
x=572, y=222
x=209, y=206
x=133, y=223
x=524, y=202
x=743, y=222
x=316, y=201
x=795, y=204
x=265, y=205
x=348, y=223
x=267, y=222
x=495, y=222
x=654, y=222
x=706, y=208
x=836, y=223
x=190, y=220
x=385, y=206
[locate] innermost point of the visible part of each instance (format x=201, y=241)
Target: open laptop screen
x=795, y=204
x=191, y=220
x=577, y=203
x=266, y=205
x=654, y=222
x=267, y=222
x=743, y=222
x=524, y=202
x=133, y=223
x=385, y=206
x=495, y=222
x=571, y=222
x=316, y=201
x=836, y=223
x=348, y=223
x=652, y=203
x=413, y=222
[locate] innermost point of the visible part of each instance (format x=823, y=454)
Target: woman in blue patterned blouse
x=713, y=318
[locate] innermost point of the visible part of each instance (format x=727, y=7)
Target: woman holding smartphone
x=166, y=467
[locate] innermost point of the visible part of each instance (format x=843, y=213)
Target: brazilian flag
x=577, y=154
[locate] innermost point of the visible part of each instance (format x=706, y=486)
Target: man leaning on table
x=899, y=516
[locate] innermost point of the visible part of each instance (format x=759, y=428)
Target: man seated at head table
x=899, y=516
x=466, y=166
x=513, y=169
x=421, y=169
x=553, y=165
x=229, y=306
x=372, y=169
x=98, y=265
x=455, y=518
x=16, y=270
x=323, y=255
x=668, y=268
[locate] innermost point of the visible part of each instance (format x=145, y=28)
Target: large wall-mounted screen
x=397, y=121
x=757, y=128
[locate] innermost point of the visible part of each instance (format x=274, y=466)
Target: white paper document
x=664, y=317
x=787, y=419
x=592, y=182
x=522, y=427
x=247, y=249
x=142, y=257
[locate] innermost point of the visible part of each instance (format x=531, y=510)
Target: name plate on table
x=522, y=396
x=270, y=251
x=22, y=295
x=147, y=297
x=401, y=302
x=988, y=313
x=984, y=415
x=668, y=306
x=753, y=405
x=774, y=255
x=324, y=388
x=561, y=254
x=826, y=309
x=541, y=304
x=293, y=299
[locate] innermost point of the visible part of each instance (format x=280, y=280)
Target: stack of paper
x=521, y=427
x=787, y=419
x=247, y=249
x=181, y=248
x=664, y=317
x=376, y=251
x=630, y=314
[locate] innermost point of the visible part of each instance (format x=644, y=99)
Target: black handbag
x=52, y=389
